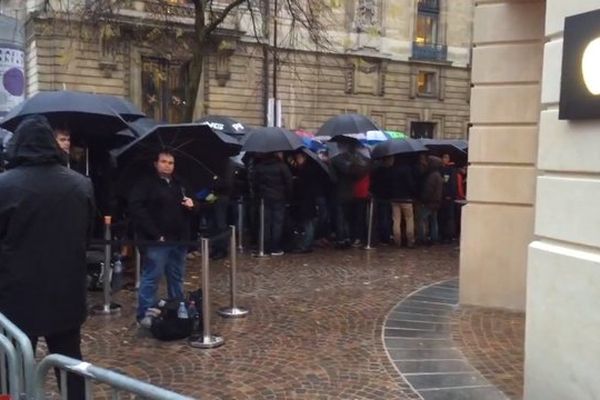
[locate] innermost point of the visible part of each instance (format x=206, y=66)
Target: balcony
x=429, y=52
x=429, y=5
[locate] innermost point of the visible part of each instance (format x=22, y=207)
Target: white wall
x=498, y=221
x=563, y=282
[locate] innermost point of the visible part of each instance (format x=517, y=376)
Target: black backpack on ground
x=168, y=326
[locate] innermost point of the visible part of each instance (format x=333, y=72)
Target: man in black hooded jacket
x=46, y=215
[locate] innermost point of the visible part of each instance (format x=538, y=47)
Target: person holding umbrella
x=161, y=212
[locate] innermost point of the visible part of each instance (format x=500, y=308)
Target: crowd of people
x=309, y=203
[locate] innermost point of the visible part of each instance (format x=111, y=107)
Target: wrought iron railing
x=429, y=5
x=429, y=51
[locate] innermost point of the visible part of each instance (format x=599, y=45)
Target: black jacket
x=46, y=213
x=403, y=184
x=272, y=180
x=156, y=210
x=307, y=186
x=381, y=182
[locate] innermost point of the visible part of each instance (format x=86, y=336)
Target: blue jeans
x=159, y=261
x=308, y=238
x=428, y=218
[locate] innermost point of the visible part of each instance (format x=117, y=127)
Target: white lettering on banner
x=238, y=127
x=12, y=87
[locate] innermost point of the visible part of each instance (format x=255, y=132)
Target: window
x=426, y=83
x=163, y=89
x=427, y=28
x=420, y=130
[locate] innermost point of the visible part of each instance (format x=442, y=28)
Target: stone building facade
x=405, y=63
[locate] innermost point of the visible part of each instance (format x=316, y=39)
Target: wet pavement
x=493, y=341
x=316, y=331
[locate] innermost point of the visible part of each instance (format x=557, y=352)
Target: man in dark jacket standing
x=46, y=213
x=431, y=198
x=272, y=182
x=160, y=211
x=403, y=196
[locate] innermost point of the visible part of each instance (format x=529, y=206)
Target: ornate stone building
x=405, y=63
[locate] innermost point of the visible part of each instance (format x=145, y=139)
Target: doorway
x=420, y=130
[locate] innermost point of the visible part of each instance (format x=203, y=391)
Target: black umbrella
x=394, y=147
x=269, y=140
x=84, y=114
x=454, y=148
x=226, y=125
x=124, y=108
x=347, y=124
x=201, y=154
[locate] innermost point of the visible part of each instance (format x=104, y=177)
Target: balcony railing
x=429, y=5
x=429, y=51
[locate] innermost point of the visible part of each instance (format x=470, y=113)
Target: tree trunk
x=194, y=76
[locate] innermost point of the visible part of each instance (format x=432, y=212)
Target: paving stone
x=481, y=393
x=411, y=367
x=441, y=381
x=427, y=354
x=406, y=316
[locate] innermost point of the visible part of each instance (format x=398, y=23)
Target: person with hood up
x=46, y=217
x=431, y=199
x=272, y=182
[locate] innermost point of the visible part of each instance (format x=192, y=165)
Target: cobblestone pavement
x=493, y=342
x=314, y=332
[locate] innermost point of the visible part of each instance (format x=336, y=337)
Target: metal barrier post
x=25, y=359
x=206, y=340
x=138, y=267
x=91, y=373
x=240, y=224
x=261, y=234
x=108, y=308
x=233, y=311
x=370, y=225
x=10, y=374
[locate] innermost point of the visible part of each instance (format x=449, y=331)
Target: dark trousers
x=446, y=220
x=274, y=220
x=358, y=227
x=218, y=225
x=68, y=344
x=384, y=220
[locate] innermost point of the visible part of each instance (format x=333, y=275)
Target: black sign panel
x=580, y=81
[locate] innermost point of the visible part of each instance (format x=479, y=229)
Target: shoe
x=357, y=243
x=277, y=253
x=145, y=322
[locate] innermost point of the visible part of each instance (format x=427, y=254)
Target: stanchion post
x=370, y=225
x=138, y=267
x=233, y=311
x=108, y=307
x=240, y=224
x=261, y=234
x=206, y=340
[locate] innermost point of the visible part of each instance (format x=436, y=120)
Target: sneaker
x=357, y=243
x=145, y=322
x=277, y=253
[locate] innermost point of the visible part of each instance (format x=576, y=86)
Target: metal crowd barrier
x=10, y=379
x=20, y=371
x=118, y=383
x=206, y=340
x=108, y=307
x=233, y=311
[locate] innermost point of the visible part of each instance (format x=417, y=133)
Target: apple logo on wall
x=590, y=67
x=580, y=75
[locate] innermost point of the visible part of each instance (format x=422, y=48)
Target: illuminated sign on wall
x=580, y=81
